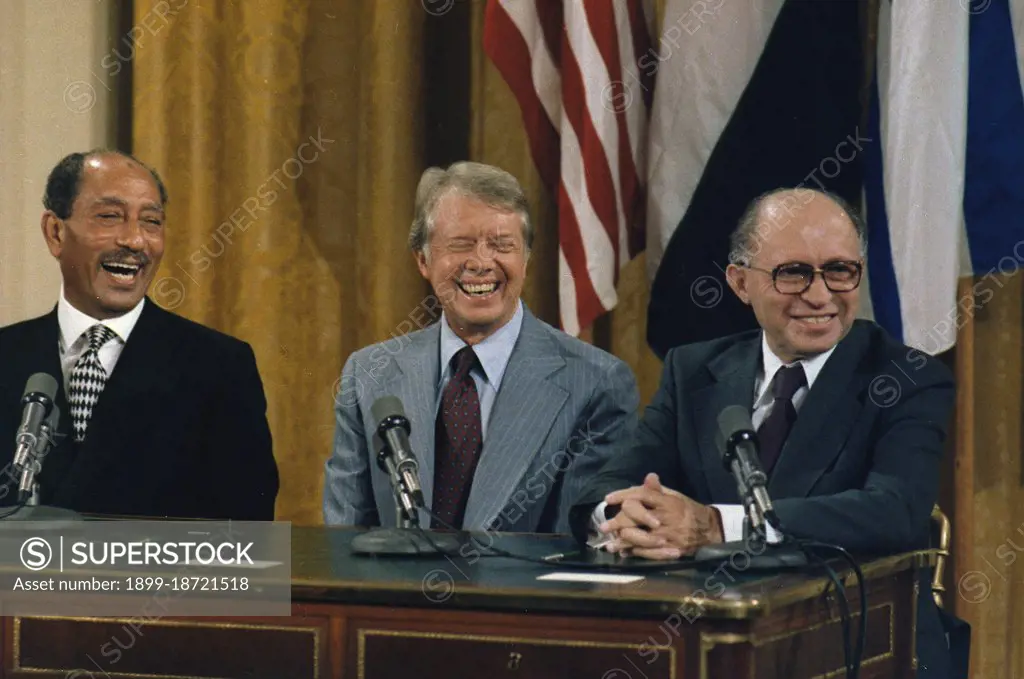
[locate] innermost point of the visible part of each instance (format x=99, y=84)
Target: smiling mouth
x=478, y=289
x=123, y=272
x=816, y=320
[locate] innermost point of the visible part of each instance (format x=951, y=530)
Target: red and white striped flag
x=574, y=67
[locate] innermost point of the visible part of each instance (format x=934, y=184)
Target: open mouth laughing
x=124, y=272
x=478, y=290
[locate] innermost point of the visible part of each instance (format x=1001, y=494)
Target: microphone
x=37, y=402
x=738, y=443
x=393, y=428
x=396, y=458
x=36, y=435
x=27, y=484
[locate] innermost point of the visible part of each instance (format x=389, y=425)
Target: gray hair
x=486, y=183
x=742, y=247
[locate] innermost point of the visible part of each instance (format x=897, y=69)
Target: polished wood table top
x=324, y=568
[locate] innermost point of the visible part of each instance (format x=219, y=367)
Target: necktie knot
x=787, y=381
x=462, y=362
x=98, y=335
x=86, y=381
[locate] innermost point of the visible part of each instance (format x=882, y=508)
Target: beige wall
x=57, y=95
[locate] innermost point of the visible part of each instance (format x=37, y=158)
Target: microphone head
x=386, y=407
x=733, y=422
x=40, y=387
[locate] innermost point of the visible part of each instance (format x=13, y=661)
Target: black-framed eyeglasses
x=794, y=278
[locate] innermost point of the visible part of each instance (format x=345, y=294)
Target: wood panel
x=805, y=640
x=497, y=640
x=990, y=533
x=206, y=648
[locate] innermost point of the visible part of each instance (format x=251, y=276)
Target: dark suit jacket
x=179, y=431
x=860, y=468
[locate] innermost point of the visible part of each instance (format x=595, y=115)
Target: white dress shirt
x=733, y=515
x=493, y=354
x=73, y=340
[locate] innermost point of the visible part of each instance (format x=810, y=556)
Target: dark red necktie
x=775, y=428
x=458, y=440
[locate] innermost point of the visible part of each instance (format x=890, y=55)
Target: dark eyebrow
x=119, y=202
x=111, y=200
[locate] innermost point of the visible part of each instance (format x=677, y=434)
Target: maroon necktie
x=773, y=431
x=457, y=442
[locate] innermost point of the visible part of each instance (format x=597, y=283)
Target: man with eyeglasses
x=850, y=422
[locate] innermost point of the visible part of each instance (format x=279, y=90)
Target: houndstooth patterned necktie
x=87, y=379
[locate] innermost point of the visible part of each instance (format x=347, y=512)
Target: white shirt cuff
x=732, y=524
x=596, y=537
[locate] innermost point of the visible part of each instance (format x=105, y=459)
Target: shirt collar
x=73, y=323
x=493, y=352
x=771, y=364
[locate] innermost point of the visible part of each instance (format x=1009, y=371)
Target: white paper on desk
x=610, y=578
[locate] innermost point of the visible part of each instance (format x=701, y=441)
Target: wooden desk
x=490, y=617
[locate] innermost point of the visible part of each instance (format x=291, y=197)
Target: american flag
x=574, y=67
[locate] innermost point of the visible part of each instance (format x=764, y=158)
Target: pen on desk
x=597, y=546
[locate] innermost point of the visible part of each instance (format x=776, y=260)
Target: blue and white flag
x=945, y=188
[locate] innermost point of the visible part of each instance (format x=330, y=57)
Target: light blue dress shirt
x=493, y=354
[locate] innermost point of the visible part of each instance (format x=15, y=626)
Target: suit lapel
x=141, y=384
x=733, y=373
x=525, y=409
x=823, y=423
x=415, y=385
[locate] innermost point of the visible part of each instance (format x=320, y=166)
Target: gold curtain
x=290, y=136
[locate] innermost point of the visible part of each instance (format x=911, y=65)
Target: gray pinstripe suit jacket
x=563, y=409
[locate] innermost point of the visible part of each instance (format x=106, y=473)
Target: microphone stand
x=407, y=538
x=760, y=554
x=28, y=486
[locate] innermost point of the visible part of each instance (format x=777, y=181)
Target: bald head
x=797, y=260
x=779, y=209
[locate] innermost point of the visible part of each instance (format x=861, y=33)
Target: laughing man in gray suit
x=509, y=417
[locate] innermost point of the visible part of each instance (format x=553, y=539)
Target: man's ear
x=421, y=262
x=737, y=278
x=54, y=232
